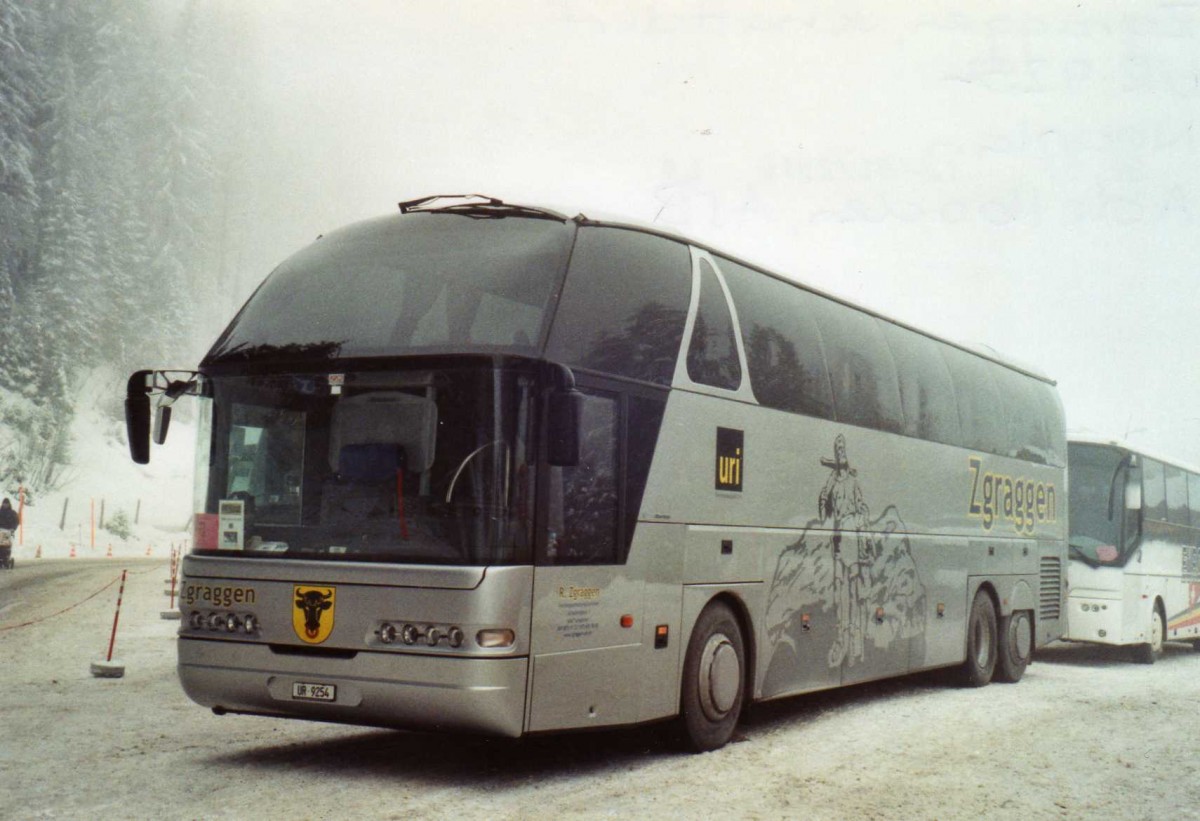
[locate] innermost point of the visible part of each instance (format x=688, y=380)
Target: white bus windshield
x=1097, y=504
x=428, y=466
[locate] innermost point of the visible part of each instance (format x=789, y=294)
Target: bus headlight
x=410, y=634
x=455, y=637
x=433, y=636
x=496, y=637
x=232, y=623
x=387, y=633
x=250, y=624
x=196, y=620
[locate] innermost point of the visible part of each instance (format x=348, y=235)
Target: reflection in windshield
x=420, y=466
x=1097, y=505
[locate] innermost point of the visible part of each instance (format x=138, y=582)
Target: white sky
x=1025, y=176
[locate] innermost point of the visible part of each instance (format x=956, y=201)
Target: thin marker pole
x=117, y=616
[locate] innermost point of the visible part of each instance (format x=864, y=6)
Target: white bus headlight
x=410, y=634
x=387, y=633
x=250, y=624
x=232, y=623
x=455, y=637
x=196, y=620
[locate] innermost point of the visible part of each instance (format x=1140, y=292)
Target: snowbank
x=103, y=482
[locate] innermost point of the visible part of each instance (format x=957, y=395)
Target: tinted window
x=980, y=412
x=583, y=498
x=1194, y=498
x=1052, y=415
x=712, y=353
x=1177, y=495
x=643, y=423
x=426, y=283
x=1154, y=493
x=782, y=343
x=1027, y=429
x=926, y=392
x=624, y=305
x=861, y=371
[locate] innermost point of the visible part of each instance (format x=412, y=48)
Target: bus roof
x=1120, y=444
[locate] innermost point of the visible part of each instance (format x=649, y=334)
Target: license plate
x=307, y=691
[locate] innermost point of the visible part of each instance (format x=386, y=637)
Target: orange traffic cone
x=108, y=555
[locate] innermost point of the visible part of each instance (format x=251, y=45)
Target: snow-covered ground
x=1086, y=735
x=102, y=481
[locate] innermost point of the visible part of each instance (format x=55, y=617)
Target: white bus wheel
x=1015, y=646
x=1152, y=650
x=981, y=642
x=713, y=679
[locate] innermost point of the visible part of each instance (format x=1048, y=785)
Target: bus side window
x=584, y=498
x=979, y=406
x=783, y=346
x=865, y=388
x=1154, y=491
x=1177, y=496
x=624, y=305
x=1193, y=481
x=926, y=391
x=712, y=357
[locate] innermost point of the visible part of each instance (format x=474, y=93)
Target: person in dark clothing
x=9, y=520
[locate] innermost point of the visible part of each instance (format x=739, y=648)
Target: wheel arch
x=741, y=610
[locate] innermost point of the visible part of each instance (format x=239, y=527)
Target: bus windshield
x=425, y=466
x=1097, y=504
x=407, y=284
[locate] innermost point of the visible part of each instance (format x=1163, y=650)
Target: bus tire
x=1015, y=646
x=713, y=686
x=981, y=642
x=1152, y=650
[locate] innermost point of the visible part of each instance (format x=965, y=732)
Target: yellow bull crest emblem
x=312, y=612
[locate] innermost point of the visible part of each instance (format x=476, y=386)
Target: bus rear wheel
x=713, y=679
x=1015, y=646
x=1152, y=650
x=981, y=642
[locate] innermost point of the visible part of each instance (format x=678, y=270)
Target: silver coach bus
x=486, y=467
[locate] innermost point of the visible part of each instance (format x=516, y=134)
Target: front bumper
x=416, y=692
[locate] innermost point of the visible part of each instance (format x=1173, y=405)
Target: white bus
x=490, y=468
x=1134, y=575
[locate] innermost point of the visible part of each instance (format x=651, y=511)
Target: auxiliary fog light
x=387, y=633
x=232, y=623
x=496, y=637
x=409, y=634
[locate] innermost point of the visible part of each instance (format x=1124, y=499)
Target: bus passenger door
x=587, y=610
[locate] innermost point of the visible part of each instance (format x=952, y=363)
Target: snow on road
x=1085, y=735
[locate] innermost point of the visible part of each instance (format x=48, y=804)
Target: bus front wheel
x=1015, y=646
x=713, y=679
x=981, y=642
x=1152, y=650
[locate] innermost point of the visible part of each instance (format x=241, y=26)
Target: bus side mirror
x=1133, y=493
x=137, y=417
x=563, y=425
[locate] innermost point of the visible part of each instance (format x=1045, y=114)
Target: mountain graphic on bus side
x=848, y=588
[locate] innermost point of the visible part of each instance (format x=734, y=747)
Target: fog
x=1025, y=178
